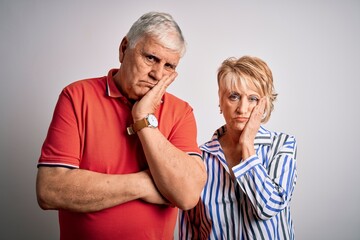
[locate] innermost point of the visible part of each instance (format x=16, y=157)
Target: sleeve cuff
x=194, y=154
x=47, y=164
x=246, y=165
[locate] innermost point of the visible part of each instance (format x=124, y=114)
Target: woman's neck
x=230, y=145
x=230, y=139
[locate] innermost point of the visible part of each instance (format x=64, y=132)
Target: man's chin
x=136, y=97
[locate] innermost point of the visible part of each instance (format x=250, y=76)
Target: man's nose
x=157, y=72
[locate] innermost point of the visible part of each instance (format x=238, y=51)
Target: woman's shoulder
x=277, y=140
x=281, y=142
x=175, y=102
x=275, y=134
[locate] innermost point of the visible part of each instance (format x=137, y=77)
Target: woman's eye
x=253, y=99
x=234, y=97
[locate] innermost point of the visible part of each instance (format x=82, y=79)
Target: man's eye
x=150, y=58
x=170, y=67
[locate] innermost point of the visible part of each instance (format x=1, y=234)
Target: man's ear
x=123, y=46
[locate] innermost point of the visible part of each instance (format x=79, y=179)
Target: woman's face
x=237, y=104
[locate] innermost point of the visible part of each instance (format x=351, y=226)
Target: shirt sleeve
x=62, y=144
x=193, y=223
x=269, y=188
x=187, y=229
x=183, y=133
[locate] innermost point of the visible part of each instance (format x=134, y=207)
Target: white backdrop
x=311, y=46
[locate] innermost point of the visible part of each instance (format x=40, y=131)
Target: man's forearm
x=86, y=191
x=178, y=176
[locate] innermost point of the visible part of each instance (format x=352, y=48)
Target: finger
x=152, y=99
x=160, y=88
x=258, y=110
x=167, y=80
x=262, y=105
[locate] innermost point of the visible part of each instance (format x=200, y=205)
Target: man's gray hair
x=160, y=25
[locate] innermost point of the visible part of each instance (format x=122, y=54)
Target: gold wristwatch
x=149, y=121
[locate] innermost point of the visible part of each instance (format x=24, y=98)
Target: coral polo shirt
x=88, y=131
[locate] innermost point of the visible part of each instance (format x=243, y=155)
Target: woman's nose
x=243, y=106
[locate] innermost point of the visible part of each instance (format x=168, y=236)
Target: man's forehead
x=153, y=47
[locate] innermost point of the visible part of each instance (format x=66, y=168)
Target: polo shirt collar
x=111, y=89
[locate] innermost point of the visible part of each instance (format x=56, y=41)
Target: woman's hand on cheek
x=247, y=136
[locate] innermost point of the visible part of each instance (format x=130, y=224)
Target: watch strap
x=137, y=126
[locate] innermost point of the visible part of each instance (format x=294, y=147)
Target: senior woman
x=251, y=170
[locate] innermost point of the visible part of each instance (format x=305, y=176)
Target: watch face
x=152, y=120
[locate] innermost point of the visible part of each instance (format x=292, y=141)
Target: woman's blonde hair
x=245, y=70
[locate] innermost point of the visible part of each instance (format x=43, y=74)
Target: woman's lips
x=242, y=119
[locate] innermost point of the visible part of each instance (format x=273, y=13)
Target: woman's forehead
x=232, y=82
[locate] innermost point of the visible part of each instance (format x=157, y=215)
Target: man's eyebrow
x=145, y=53
x=172, y=65
x=157, y=59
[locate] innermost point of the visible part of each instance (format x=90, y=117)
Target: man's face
x=143, y=66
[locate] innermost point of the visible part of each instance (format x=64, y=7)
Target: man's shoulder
x=88, y=85
x=174, y=108
x=171, y=99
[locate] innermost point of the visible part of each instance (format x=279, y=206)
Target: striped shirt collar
x=263, y=137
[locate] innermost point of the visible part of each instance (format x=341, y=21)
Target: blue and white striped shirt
x=257, y=204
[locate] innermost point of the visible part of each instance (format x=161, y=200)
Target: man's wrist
x=148, y=121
